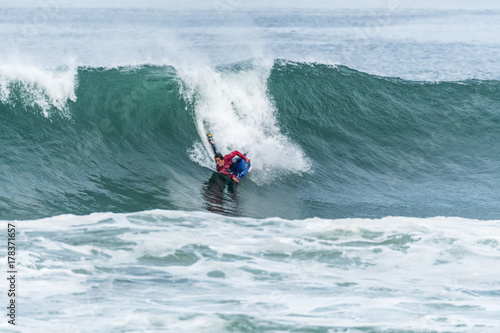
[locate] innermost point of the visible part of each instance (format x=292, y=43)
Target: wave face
x=326, y=141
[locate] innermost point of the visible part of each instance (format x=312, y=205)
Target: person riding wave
x=224, y=163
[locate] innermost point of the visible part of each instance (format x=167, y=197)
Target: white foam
x=398, y=273
x=43, y=88
x=235, y=107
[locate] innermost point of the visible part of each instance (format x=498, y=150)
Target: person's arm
x=212, y=143
x=234, y=153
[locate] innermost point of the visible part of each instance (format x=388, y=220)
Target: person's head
x=219, y=160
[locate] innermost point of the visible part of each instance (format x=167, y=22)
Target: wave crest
x=36, y=88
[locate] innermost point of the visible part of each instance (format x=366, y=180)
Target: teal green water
x=122, y=225
x=377, y=146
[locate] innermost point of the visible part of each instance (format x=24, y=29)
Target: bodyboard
x=241, y=168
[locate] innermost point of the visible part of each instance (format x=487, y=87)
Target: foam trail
x=233, y=104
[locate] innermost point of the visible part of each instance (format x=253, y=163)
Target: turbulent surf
x=373, y=132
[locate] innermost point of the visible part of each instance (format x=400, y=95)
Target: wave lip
x=37, y=88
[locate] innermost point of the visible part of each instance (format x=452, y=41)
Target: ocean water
x=372, y=205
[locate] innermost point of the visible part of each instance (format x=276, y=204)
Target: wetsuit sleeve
x=233, y=154
x=214, y=147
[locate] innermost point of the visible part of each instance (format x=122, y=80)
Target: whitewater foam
x=45, y=89
x=195, y=268
x=233, y=104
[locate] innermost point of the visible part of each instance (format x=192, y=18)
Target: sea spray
x=232, y=103
x=37, y=88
